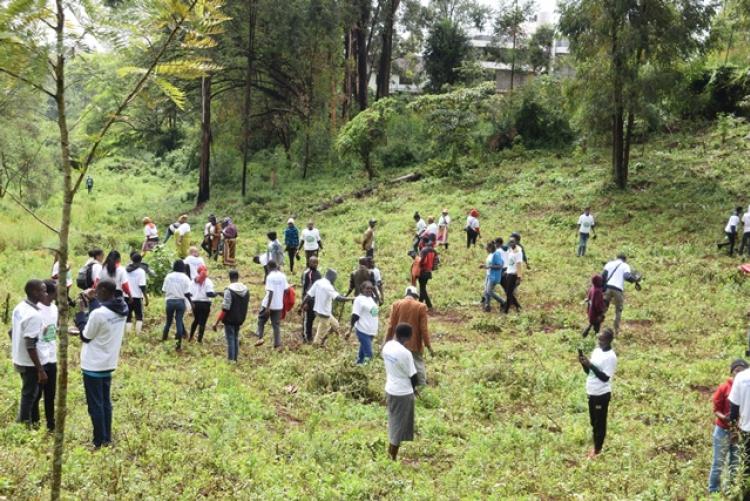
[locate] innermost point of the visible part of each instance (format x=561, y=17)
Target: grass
x=505, y=413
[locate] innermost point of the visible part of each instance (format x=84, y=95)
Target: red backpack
x=289, y=298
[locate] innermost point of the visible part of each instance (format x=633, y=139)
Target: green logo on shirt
x=49, y=334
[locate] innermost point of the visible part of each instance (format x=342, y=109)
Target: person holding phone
x=600, y=368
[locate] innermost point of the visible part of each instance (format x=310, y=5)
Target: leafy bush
x=160, y=261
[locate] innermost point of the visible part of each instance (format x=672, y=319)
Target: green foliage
x=359, y=137
x=447, y=46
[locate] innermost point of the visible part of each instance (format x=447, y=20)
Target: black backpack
x=85, y=280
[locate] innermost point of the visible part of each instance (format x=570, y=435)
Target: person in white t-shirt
x=310, y=241
x=114, y=272
x=420, y=228
x=137, y=280
x=182, y=237
x=739, y=417
x=731, y=231
x=47, y=350
x=600, y=368
x=322, y=294
x=26, y=333
x=150, y=236
x=432, y=228
x=273, y=304
x=201, y=294
x=472, y=228
x=745, y=233
x=176, y=289
x=365, y=321
x=615, y=274
x=400, y=388
x=443, y=223
x=193, y=261
x=378, y=277
x=512, y=276
x=585, y=229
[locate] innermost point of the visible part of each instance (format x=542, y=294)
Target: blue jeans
x=365, y=346
x=489, y=293
x=721, y=448
x=175, y=310
x=584, y=238
x=100, y=407
x=232, y=334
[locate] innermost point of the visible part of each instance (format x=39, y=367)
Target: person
x=615, y=274
x=745, y=232
x=193, y=261
x=229, y=234
x=182, y=237
x=472, y=228
x=364, y=321
x=410, y=311
x=432, y=228
x=272, y=304
x=138, y=279
x=309, y=277
x=428, y=259
x=723, y=446
x=311, y=241
x=494, y=273
x=233, y=313
x=55, y=273
x=291, y=242
x=377, y=277
x=208, y=235
x=368, y=238
x=26, y=332
x=443, y=223
x=596, y=306
x=89, y=184
x=323, y=294
x=600, y=368
x=739, y=417
x=401, y=382
x=362, y=274
x=89, y=273
x=171, y=230
x=585, y=228
x=201, y=293
x=513, y=275
x=176, y=289
x=274, y=252
x=102, y=339
x=114, y=272
x=46, y=349
x=731, y=231
x=420, y=227
x=517, y=237
x=150, y=236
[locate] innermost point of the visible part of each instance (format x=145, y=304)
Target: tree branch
x=33, y=214
x=26, y=81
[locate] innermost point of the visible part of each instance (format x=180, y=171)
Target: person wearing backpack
x=615, y=274
x=90, y=271
x=233, y=313
x=428, y=260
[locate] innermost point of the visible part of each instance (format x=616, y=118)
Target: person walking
x=291, y=242
x=138, y=279
x=89, y=273
x=208, y=235
x=150, y=236
x=182, y=237
x=100, y=352
x=585, y=228
x=428, y=261
x=364, y=321
x=362, y=274
x=596, y=307
x=513, y=275
x=309, y=277
x=472, y=228
x=193, y=261
x=201, y=294
x=723, y=445
x=323, y=293
x=272, y=304
x=517, y=237
x=377, y=277
x=311, y=242
x=493, y=277
x=420, y=227
x=401, y=382
x=413, y=313
x=171, y=229
x=443, y=223
x=176, y=289
x=89, y=184
x=233, y=313
x=615, y=274
x=745, y=233
x=368, y=238
x=229, y=237
x=46, y=348
x=600, y=369
x=274, y=252
x=113, y=271
x=730, y=230
x=26, y=332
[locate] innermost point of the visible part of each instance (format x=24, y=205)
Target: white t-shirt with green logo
x=368, y=310
x=586, y=223
x=310, y=239
x=46, y=347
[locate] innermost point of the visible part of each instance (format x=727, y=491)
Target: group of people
x=219, y=238
x=731, y=231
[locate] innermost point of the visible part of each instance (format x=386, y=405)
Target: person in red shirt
x=596, y=305
x=721, y=443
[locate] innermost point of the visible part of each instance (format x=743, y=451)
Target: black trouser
x=169, y=233
x=206, y=245
x=595, y=325
x=510, y=284
x=136, y=308
x=308, y=317
x=201, y=310
x=370, y=252
x=471, y=237
x=29, y=410
x=598, y=407
x=731, y=240
x=291, y=252
x=47, y=390
x=745, y=243
x=423, y=296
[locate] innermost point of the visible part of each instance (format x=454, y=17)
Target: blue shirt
x=291, y=237
x=497, y=260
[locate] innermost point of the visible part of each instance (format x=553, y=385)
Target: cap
x=411, y=291
x=445, y=211
x=738, y=363
x=290, y=220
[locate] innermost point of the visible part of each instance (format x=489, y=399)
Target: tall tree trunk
x=250, y=61
x=361, y=34
x=386, y=53
x=61, y=404
x=204, y=188
x=348, y=87
x=618, y=112
x=513, y=62
x=626, y=147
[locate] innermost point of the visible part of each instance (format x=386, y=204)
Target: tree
x=359, y=137
x=510, y=29
x=539, y=49
x=446, y=48
x=386, y=51
x=618, y=45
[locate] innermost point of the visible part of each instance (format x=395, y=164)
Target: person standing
x=428, y=259
x=585, y=228
x=208, y=235
x=364, y=321
x=311, y=242
x=309, y=277
x=47, y=350
x=102, y=339
x=517, y=237
x=201, y=293
x=229, y=237
x=273, y=304
x=217, y=237
x=26, y=333
x=274, y=252
x=600, y=368
x=113, y=271
x=291, y=242
x=324, y=294
x=615, y=274
x=731, y=231
x=493, y=277
x=368, y=239
x=361, y=275
x=182, y=237
x=89, y=184
x=745, y=233
x=513, y=275
x=233, y=313
x=193, y=261
x=139, y=298
x=410, y=311
x=89, y=273
x=150, y=236
x=432, y=229
x=401, y=382
x=596, y=305
x=721, y=437
x=377, y=277
x=176, y=289
x=420, y=227
x=472, y=228
x=171, y=230
x=443, y=223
